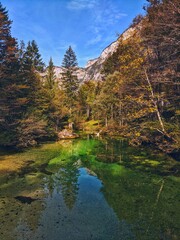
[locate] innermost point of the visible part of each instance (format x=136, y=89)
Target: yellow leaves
x=137, y=134
x=152, y=109
x=131, y=59
x=22, y=101
x=177, y=112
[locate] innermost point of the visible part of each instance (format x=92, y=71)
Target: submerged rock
x=24, y=199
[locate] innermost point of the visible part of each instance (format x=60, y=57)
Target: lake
x=88, y=189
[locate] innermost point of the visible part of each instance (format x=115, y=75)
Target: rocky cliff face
x=92, y=70
x=59, y=70
x=93, y=67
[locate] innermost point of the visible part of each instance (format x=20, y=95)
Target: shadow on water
x=91, y=189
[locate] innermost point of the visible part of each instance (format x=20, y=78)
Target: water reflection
x=113, y=151
x=66, y=181
x=90, y=218
x=89, y=193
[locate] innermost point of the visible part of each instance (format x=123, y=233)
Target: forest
x=90, y=159
x=138, y=97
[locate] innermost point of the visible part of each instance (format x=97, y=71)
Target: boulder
x=67, y=134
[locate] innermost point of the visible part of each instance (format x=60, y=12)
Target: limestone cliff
x=93, y=67
x=92, y=70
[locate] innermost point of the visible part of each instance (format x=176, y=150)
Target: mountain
x=92, y=70
x=59, y=70
x=93, y=67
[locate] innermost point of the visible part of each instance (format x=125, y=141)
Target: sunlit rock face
x=93, y=68
x=80, y=72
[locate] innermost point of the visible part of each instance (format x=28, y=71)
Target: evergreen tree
x=34, y=56
x=52, y=95
x=22, y=48
x=19, y=90
x=11, y=88
x=69, y=60
x=28, y=73
x=50, y=78
x=69, y=79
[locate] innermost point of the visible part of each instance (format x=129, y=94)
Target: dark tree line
x=32, y=108
x=27, y=114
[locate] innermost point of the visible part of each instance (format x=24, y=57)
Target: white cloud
x=81, y=4
x=108, y=15
x=104, y=15
x=120, y=15
x=95, y=40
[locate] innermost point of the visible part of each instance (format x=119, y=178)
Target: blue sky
x=87, y=25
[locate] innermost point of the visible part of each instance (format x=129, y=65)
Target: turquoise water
x=89, y=189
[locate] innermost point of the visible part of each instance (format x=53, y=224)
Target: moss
x=151, y=162
x=91, y=126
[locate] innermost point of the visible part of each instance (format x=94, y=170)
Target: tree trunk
x=71, y=125
x=106, y=121
x=88, y=112
x=120, y=112
x=154, y=102
x=112, y=113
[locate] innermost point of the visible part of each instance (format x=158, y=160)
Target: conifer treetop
x=69, y=60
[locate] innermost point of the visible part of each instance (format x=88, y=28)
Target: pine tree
x=70, y=80
x=51, y=90
x=11, y=99
x=34, y=56
x=28, y=73
x=69, y=60
x=21, y=49
x=51, y=100
x=50, y=78
x=19, y=88
x=22, y=119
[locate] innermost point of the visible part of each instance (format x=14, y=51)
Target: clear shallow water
x=89, y=189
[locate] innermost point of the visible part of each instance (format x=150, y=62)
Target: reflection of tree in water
x=112, y=151
x=69, y=178
x=140, y=200
x=66, y=181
